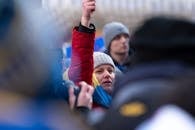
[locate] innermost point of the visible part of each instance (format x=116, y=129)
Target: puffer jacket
x=81, y=67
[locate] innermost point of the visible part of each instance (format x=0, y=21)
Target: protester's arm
x=83, y=39
x=88, y=7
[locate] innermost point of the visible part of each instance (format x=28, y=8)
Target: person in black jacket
x=164, y=51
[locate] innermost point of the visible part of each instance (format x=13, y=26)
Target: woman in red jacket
x=83, y=64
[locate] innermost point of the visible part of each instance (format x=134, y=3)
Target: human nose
x=107, y=74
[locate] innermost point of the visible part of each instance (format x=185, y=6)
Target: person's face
x=120, y=44
x=105, y=75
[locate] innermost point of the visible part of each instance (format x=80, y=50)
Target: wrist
x=85, y=21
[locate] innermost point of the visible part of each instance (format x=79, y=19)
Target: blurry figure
x=132, y=103
x=116, y=38
x=164, y=51
x=30, y=71
x=178, y=111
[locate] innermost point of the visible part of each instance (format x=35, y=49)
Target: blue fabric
x=101, y=97
x=122, y=68
x=60, y=86
x=18, y=127
x=32, y=114
x=55, y=86
x=99, y=44
x=6, y=15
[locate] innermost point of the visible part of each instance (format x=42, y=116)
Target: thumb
x=72, y=97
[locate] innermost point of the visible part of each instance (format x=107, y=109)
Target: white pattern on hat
x=101, y=58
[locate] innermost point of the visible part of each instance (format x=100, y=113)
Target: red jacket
x=81, y=67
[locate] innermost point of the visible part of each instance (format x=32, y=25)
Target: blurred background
x=130, y=12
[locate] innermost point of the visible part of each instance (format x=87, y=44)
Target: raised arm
x=88, y=7
x=81, y=67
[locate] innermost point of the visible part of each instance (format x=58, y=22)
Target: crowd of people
x=142, y=81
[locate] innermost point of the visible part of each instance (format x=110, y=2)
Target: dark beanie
x=163, y=37
x=164, y=32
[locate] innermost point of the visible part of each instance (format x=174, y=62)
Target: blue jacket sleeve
x=53, y=85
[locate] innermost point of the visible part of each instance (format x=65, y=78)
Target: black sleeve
x=82, y=110
x=84, y=29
